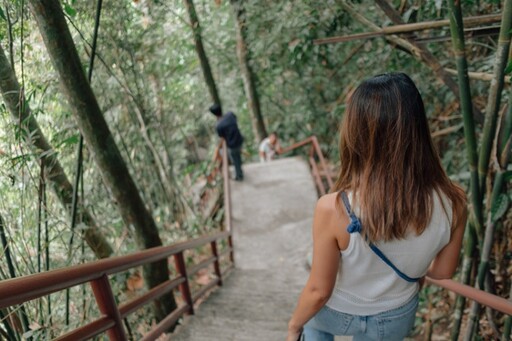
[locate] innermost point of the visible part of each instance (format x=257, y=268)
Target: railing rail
x=22, y=289
x=318, y=175
x=487, y=299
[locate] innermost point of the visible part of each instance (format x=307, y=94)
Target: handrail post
x=216, y=165
x=231, y=254
x=316, y=175
x=107, y=306
x=322, y=160
x=227, y=195
x=216, y=264
x=179, y=260
x=227, y=199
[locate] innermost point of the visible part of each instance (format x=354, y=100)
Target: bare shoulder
x=329, y=207
x=332, y=218
x=327, y=202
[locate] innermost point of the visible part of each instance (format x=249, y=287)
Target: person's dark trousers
x=236, y=159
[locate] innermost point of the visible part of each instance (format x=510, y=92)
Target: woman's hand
x=293, y=334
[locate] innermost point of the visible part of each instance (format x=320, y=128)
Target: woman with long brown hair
x=394, y=217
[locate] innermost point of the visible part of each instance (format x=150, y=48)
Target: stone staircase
x=272, y=217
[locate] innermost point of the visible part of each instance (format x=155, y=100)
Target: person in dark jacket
x=227, y=128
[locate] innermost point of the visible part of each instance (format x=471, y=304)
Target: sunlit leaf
x=69, y=141
x=500, y=207
x=69, y=10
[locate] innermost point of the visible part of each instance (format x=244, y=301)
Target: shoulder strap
x=355, y=226
x=355, y=223
x=386, y=260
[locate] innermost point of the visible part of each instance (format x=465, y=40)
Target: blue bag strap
x=355, y=226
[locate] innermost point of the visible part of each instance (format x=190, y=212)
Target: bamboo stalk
x=494, y=98
x=477, y=75
x=457, y=33
x=483, y=268
x=9, y=331
x=457, y=28
x=407, y=28
x=506, y=124
x=248, y=76
x=446, y=131
x=467, y=262
x=489, y=132
x=201, y=53
x=396, y=40
x=508, y=323
x=504, y=148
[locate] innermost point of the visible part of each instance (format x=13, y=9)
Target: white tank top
x=365, y=285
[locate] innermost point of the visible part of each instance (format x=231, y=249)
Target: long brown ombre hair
x=388, y=159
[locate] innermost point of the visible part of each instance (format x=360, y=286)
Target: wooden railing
x=20, y=290
x=322, y=174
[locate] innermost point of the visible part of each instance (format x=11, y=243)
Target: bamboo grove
x=106, y=139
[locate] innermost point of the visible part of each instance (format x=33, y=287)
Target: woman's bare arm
x=445, y=263
x=326, y=255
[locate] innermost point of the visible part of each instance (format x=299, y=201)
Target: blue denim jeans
x=236, y=159
x=390, y=325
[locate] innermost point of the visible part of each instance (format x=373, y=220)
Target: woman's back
x=401, y=229
x=367, y=285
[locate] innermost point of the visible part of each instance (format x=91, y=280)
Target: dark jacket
x=227, y=128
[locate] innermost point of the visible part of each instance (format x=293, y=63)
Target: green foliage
x=69, y=10
x=500, y=207
x=509, y=67
x=508, y=70
x=147, y=71
x=507, y=176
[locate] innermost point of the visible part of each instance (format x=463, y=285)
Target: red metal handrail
x=493, y=301
x=22, y=289
x=317, y=174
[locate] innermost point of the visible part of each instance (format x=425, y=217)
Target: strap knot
x=355, y=225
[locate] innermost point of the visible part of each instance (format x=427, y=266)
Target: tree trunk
x=198, y=41
x=13, y=97
x=162, y=162
x=83, y=103
x=258, y=125
x=165, y=174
